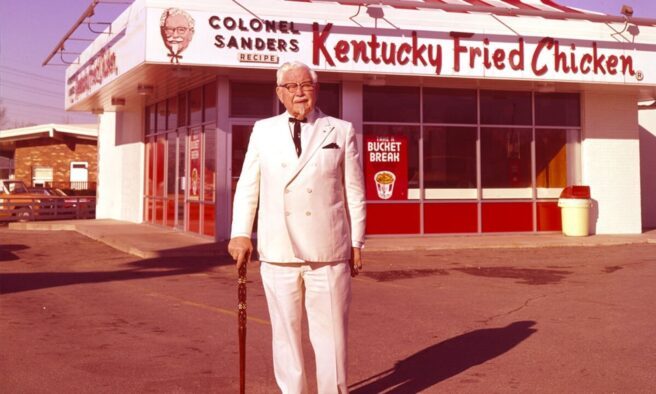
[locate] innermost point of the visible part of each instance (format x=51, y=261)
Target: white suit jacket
x=312, y=207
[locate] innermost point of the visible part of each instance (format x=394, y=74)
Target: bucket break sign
x=386, y=167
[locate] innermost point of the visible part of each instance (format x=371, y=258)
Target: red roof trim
x=520, y=5
x=563, y=8
x=479, y=2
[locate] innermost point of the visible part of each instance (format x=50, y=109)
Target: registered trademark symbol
x=639, y=75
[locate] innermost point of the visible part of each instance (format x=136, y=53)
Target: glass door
x=240, y=136
x=182, y=138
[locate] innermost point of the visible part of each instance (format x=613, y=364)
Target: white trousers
x=325, y=289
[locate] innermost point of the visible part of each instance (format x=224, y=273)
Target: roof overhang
x=50, y=130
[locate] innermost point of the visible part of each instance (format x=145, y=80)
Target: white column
x=610, y=156
x=120, y=166
x=107, y=201
x=647, y=120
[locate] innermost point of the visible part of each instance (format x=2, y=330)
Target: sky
x=30, y=29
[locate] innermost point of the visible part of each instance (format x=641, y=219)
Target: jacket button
x=308, y=213
x=309, y=190
x=286, y=191
x=287, y=213
x=284, y=165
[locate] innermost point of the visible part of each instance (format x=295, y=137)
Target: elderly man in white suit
x=304, y=169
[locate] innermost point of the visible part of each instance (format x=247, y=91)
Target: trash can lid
x=574, y=203
x=576, y=192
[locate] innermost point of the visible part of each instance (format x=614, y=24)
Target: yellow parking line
x=210, y=308
x=389, y=284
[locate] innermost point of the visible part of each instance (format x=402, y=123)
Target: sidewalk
x=141, y=240
x=149, y=241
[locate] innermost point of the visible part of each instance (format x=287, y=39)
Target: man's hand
x=356, y=261
x=240, y=248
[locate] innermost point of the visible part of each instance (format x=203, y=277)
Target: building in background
x=54, y=155
x=471, y=116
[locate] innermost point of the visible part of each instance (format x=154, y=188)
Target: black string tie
x=297, y=134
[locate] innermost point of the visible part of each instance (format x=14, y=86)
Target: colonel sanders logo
x=177, y=28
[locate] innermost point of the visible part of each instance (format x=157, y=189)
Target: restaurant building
x=472, y=115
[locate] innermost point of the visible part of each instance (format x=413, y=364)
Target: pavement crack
x=510, y=312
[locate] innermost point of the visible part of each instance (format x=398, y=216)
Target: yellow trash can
x=575, y=206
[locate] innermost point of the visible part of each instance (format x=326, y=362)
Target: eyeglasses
x=179, y=30
x=292, y=87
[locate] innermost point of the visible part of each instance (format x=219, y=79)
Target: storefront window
x=194, y=179
x=161, y=116
x=160, y=154
x=181, y=164
x=449, y=162
x=150, y=178
x=159, y=168
x=209, y=102
x=209, y=180
x=252, y=99
x=240, y=136
x=171, y=177
x=436, y=160
x=391, y=159
x=391, y=171
x=453, y=106
x=182, y=109
x=172, y=113
x=506, y=163
x=553, y=150
x=150, y=173
x=210, y=164
x=195, y=161
x=329, y=99
x=523, y=165
x=557, y=109
x=391, y=104
x=195, y=106
x=505, y=108
x=150, y=119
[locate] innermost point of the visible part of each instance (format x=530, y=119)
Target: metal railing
x=16, y=209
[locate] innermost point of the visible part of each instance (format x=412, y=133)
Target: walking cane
x=241, y=295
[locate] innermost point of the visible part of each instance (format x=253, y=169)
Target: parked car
x=58, y=196
x=17, y=201
x=46, y=191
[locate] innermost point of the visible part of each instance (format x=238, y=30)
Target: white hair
x=293, y=65
x=176, y=11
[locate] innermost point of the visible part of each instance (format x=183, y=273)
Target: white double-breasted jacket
x=312, y=207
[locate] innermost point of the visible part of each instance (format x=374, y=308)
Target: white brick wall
x=610, y=156
x=647, y=120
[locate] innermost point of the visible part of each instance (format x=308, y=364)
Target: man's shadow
x=445, y=359
x=15, y=282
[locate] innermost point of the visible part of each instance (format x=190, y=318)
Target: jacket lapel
x=322, y=129
x=281, y=137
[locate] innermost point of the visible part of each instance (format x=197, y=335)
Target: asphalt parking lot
x=79, y=316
